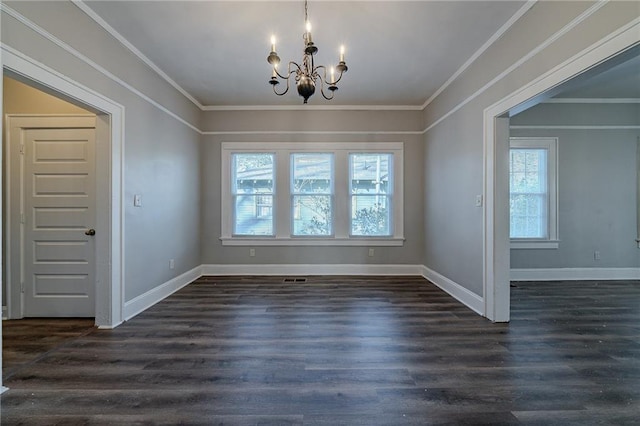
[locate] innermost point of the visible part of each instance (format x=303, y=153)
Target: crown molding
x=574, y=127
x=115, y=34
x=592, y=101
x=312, y=132
x=524, y=9
x=312, y=108
x=558, y=34
x=99, y=68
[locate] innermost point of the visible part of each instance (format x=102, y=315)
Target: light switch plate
x=137, y=200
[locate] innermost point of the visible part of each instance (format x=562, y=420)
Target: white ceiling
x=399, y=52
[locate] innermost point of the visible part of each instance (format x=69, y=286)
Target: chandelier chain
x=306, y=12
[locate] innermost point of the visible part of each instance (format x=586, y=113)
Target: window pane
x=253, y=172
x=253, y=218
x=370, y=173
x=312, y=194
x=312, y=215
x=253, y=192
x=370, y=215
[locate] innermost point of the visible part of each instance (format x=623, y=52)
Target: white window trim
x=282, y=199
x=551, y=145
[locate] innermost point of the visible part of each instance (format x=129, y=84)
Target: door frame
x=14, y=198
x=496, y=251
x=109, y=176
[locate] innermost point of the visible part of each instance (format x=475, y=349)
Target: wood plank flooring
x=345, y=351
x=27, y=340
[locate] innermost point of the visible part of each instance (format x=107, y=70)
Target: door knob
x=90, y=232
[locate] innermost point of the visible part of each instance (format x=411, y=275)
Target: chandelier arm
x=283, y=93
x=289, y=70
x=339, y=77
x=323, y=94
x=316, y=70
x=324, y=73
x=322, y=76
x=318, y=76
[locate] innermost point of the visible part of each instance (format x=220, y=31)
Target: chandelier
x=307, y=75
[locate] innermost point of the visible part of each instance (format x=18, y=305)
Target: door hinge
x=22, y=148
x=22, y=287
x=23, y=218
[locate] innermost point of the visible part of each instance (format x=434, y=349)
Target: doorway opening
x=49, y=189
x=109, y=180
x=497, y=257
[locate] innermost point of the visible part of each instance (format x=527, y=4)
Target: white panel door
x=58, y=248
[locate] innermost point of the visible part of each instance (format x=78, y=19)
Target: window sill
x=533, y=244
x=328, y=242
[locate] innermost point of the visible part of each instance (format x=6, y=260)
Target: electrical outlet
x=371, y=252
x=172, y=263
x=252, y=252
x=596, y=255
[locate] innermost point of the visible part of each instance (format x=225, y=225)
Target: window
x=370, y=194
x=252, y=193
x=312, y=194
x=533, y=192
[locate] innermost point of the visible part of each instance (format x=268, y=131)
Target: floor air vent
x=294, y=280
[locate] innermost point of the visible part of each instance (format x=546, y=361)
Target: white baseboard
x=113, y=326
x=574, y=274
x=290, y=269
x=155, y=295
x=455, y=290
x=4, y=313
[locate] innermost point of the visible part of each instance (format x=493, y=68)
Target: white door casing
x=110, y=180
x=52, y=205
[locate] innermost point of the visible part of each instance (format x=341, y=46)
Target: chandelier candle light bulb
x=307, y=35
x=306, y=75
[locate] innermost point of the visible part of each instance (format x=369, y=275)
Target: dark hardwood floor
x=343, y=351
x=27, y=340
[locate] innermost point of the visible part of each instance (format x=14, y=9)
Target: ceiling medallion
x=307, y=75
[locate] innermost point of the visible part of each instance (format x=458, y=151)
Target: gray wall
x=314, y=126
x=161, y=154
x=596, y=184
x=453, y=225
x=180, y=214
